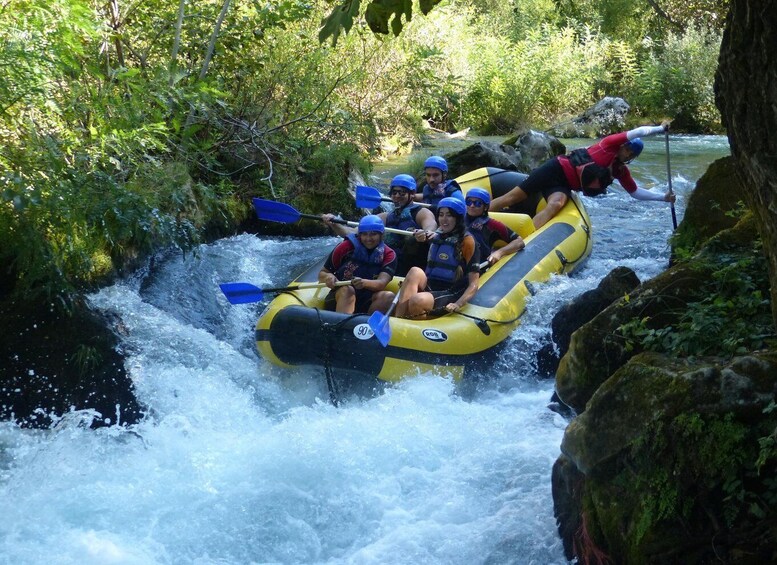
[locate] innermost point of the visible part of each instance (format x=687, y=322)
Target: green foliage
x=715, y=474
x=379, y=15
x=111, y=146
x=675, y=79
x=86, y=358
x=622, y=20
x=731, y=316
x=523, y=83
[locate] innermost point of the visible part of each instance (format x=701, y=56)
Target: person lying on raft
x=369, y=264
x=437, y=186
x=452, y=272
x=406, y=215
x=591, y=169
x=487, y=231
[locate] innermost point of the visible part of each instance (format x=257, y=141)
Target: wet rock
x=603, y=118
x=523, y=152
x=710, y=209
x=53, y=362
x=580, y=310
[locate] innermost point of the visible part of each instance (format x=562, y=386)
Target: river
x=238, y=461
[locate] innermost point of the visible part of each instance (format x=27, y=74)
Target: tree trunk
x=746, y=95
x=176, y=41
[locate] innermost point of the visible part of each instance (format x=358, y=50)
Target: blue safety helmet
x=371, y=223
x=481, y=193
x=436, y=162
x=454, y=204
x=404, y=181
x=636, y=145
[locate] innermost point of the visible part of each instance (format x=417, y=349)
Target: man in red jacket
x=590, y=170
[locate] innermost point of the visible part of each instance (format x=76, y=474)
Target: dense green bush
x=527, y=82
x=675, y=79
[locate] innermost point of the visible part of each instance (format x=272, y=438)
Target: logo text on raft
x=363, y=331
x=434, y=335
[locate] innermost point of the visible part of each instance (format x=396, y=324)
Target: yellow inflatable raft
x=294, y=329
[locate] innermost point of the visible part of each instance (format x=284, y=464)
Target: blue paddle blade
x=368, y=197
x=241, y=293
x=379, y=324
x=275, y=211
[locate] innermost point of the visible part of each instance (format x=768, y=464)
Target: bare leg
x=556, y=202
x=381, y=301
x=420, y=305
x=346, y=300
x=414, y=283
x=515, y=196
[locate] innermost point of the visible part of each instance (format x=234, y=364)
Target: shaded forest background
x=126, y=127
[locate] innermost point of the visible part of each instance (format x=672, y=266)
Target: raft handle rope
x=586, y=229
x=329, y=330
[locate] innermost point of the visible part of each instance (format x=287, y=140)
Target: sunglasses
x=476, y=202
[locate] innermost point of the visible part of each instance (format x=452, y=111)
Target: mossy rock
x=714, y=205
x=599, y=348
x=678, y=463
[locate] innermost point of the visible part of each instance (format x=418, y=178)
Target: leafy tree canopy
x=379, y=15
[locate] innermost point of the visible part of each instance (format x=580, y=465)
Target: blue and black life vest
x=434, y=197
x=479, y=229
x=401, y=219
x=361, y=262
x=444, y=265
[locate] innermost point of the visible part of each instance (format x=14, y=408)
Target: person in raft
x=486, y=230
x=438, y=186
x=406, y=215
x=591, y=169
x=452, y=272
x=365, y=260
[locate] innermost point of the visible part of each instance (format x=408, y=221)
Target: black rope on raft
x=329, y=331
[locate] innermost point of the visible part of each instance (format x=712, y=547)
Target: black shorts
x=547, y=179
x=443, y=297
x=363, y=300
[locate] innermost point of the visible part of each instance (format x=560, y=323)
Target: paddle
x=669, y=175
x=279, y=212
x=379, y=323
x=245, y=293
x=371, y=197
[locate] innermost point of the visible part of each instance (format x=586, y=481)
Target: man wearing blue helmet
x=437, y=185
x=452, y=272
x=407, y=215
x=365, y=260
x=590, y=170
x=486, y=230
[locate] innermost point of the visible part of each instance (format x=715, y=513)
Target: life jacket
x=361, y=262
x=479, y=229
x=443, y=190
x=444, y=265
x=401, y=219
x=594, y=179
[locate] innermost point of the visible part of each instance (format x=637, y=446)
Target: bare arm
x=374, y=285
x=515, y=245
x=472, y=288
x=327, y=278
x=338, y=229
